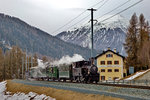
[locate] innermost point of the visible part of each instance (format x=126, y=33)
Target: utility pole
x=92, y=30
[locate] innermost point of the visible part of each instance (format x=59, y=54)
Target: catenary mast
x=92, y=46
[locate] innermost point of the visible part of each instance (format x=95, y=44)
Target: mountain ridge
x=14, y=31
x=110, y=33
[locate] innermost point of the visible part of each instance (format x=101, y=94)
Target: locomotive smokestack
x=92, y=61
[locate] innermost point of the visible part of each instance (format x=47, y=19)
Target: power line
x=78, y=22
x=119, y=11
x=115, y=9
x=108, y=12
x=96, y=4
x=103, y=4
x=122, y=11
x=76, y=17
x=87, y=15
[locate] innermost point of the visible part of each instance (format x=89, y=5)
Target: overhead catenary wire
x=87, y=15
x=103, y=4
x=103, y=14
x=108, y=12
x=114, y=9
x=122, y=11
x=76, y=17
x=119, y=11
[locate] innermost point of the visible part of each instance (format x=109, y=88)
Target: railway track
x=126, y=86
x=125, y=92
x=109, y=84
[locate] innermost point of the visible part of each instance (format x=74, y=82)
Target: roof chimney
x=115, y=50
x=108, y=48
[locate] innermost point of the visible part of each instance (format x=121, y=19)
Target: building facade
x=110, y=65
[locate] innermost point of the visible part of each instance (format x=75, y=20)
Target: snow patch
x=2, y=87
x=136, y=75
x=20, y=96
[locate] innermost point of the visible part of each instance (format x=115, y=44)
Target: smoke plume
x=68, y=60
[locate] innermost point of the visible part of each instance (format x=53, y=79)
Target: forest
x=15, y=62
x=137, y=43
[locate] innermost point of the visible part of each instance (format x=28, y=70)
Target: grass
x=55, y=93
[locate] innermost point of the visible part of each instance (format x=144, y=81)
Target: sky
x=50, y=15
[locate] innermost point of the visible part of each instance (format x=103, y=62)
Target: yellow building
x=110, y=65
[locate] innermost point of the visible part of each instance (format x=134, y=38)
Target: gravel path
x=124, y=93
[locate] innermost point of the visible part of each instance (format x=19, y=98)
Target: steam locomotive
x=81, y=71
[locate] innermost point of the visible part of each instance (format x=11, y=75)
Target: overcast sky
x=49, y=15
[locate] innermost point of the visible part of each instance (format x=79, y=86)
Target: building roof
x=104, y=52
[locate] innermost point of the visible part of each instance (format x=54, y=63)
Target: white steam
x=68, y=60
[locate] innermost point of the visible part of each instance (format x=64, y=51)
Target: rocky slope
x=110, y=33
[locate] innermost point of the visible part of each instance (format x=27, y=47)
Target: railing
x=128, y=82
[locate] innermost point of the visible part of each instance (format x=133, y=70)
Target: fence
x=128, y=82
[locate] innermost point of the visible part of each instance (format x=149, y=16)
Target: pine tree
x=137, y=43
x=147, y=30
x=7, y=65
x=144, y=55
x=131, y=42
x=143, y=51
x=143, y=32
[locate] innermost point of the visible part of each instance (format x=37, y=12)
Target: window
x=103, y=78
x=109, y=70
x=116, y=70
x=102, y=70
x=116, y=62
x=109, y=55
x=109, y=62
x=102, y=62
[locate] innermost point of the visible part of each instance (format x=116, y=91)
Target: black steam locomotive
x=81, y=71
x=84, y=71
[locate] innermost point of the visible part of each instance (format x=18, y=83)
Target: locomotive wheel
x=77, y=81
x=96, y=82
x=64, y=80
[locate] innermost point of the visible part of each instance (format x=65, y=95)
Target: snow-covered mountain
x=110, y=33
